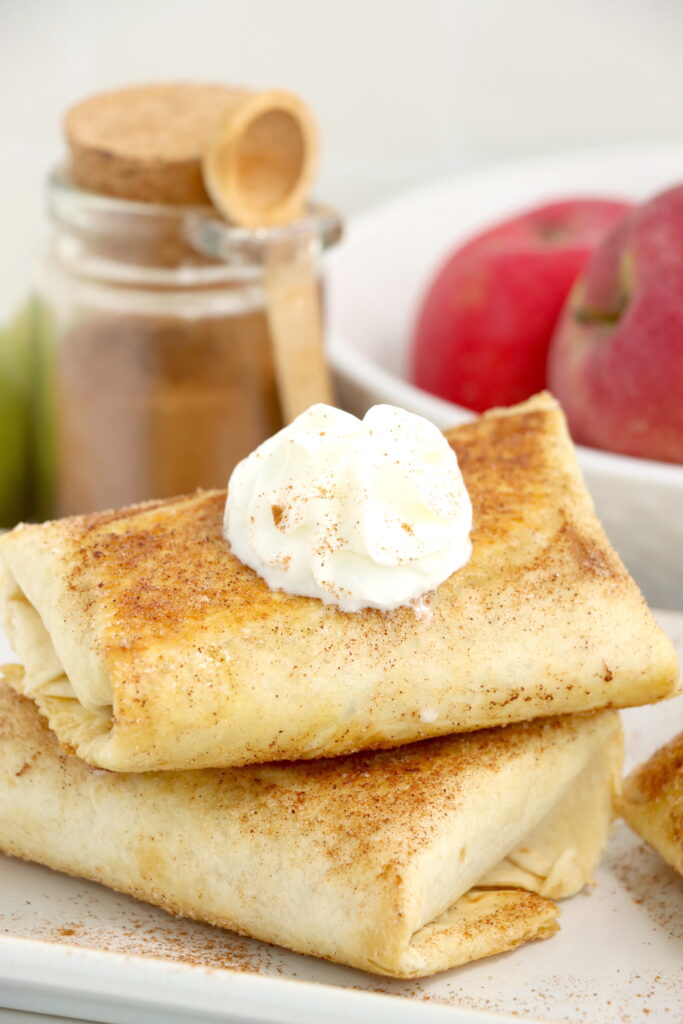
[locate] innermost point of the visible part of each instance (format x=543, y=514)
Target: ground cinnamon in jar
x=158, y=373
x=152, y=406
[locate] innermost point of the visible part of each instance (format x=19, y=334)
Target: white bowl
x=376, y=279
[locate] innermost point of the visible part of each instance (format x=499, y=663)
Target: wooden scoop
x=259, y=166
x=296, y=333
x=258, y=170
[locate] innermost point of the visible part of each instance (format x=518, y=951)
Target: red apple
x=616, y=360
x=483, y=332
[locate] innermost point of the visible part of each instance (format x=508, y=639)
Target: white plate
x=378, y=275
x=74, y=948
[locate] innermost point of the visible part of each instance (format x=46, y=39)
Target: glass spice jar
x=153, y=351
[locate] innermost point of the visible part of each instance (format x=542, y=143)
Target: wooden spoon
x=259, y=165
x=258, y=170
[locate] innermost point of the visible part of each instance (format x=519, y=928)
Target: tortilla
x=401, y=862
x=149, y=646
x=653, y=802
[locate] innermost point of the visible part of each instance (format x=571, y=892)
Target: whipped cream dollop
x=368, y=513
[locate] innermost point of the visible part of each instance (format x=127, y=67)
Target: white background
x=405, y=90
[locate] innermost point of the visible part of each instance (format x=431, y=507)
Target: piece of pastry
x=401, y=862
x=148, y=645
x=652, y=801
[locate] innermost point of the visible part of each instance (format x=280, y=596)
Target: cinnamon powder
x=152, y=406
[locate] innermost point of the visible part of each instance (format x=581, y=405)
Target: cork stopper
x=252, y=153
x=146, y=142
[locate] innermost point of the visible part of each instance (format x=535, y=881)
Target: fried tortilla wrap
x=149, y=646
x=401, y=862
x=652, y=802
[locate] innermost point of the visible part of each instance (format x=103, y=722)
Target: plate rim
x=31, y=970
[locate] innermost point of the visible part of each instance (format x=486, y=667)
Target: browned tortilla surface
x=401, y=862
x=148, y=645
x=653, y=801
